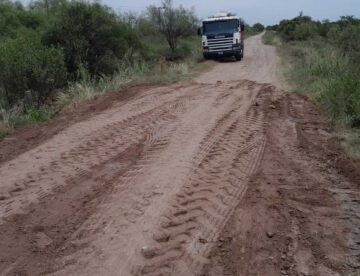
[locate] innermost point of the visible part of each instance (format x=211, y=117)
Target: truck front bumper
x=236, y=50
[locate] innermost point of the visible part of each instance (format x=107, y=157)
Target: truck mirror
x=242, y=27
x=199, y=31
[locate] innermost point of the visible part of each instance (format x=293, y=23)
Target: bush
x=299, y=28
x=341, y=100
x=304, y=31
x=26, y=64
x=173, y=23
x=269, y=37
x=13, y=17
x=258, y=27
x=92, y=37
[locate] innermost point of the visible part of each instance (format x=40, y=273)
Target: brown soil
x=225, y=175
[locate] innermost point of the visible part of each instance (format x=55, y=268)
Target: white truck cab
x=223, y=36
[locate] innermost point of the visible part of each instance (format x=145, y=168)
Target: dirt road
x=224, y=175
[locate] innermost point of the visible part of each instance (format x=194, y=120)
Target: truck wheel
x=242, y=52
x=238, y=57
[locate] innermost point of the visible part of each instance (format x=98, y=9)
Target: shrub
x=92, y=37
x=299, y=28
x=269, y=37
x=173, y=23
x=26, y=64
x=259, y=27
x=340, y=99
x=13, y=16
x=304, y=31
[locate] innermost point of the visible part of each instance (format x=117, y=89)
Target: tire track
x=94, y=150
x=201, y=209
x=139, y=192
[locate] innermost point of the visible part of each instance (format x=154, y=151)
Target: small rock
x=203, y=240
x=162, y=237
x=272, y=106
x=42, y=240
x=147, y=252
x=270, y=234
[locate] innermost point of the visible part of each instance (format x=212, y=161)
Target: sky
x=267, y=12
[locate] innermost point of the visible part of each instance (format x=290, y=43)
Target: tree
x=172, y=22
x=258, y=27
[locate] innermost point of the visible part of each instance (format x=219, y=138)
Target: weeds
x=351, y=142
x=326, y=76
x=128, y=75
x=330, y=78
x=269, y=37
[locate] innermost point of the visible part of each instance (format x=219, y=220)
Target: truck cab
x=223, y=36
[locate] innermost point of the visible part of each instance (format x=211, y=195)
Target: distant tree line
x=344, y=33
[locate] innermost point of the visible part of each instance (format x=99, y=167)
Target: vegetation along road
x=226, y=174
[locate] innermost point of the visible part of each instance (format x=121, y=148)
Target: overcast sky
x=267, y=12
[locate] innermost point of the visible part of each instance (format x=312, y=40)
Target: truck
x=223, y=36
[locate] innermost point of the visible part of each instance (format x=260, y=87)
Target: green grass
x=330, y=79
x=351, y=142
x=327, y=77
x=269, y=37
x=18, y=116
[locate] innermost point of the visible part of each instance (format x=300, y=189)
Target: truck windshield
x=220, y=27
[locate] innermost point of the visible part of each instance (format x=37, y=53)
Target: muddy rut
x=147, y=186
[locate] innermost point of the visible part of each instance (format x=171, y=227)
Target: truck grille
x=220, y=44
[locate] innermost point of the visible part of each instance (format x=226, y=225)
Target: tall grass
x=7, y=119
x=269, y=37
x=328, y=77
x=18, y=115
x=127, y=75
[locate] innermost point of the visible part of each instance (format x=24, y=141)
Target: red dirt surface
x=224, y=175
